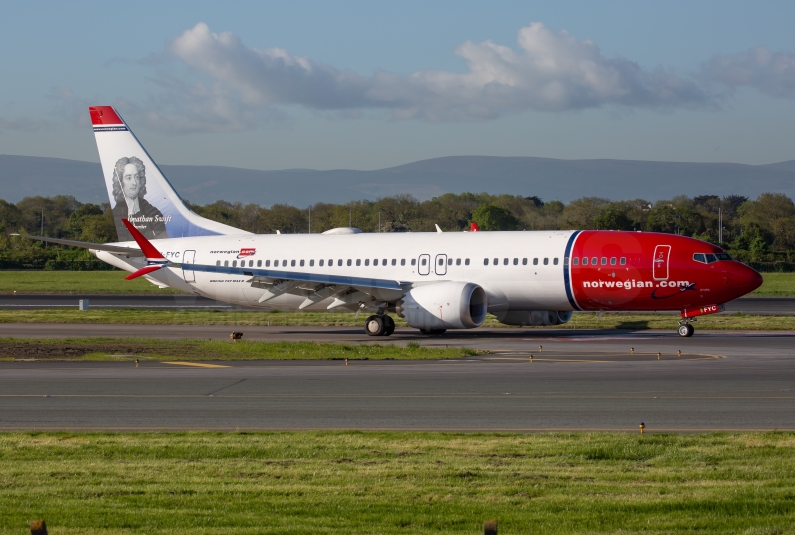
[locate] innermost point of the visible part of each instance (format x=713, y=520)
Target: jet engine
x=534, y=317
x=444, y=305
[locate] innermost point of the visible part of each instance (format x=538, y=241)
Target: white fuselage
x=528, y=274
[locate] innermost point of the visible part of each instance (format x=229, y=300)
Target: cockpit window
x=708, y=258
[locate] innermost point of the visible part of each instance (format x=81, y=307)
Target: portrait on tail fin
x=129, y=191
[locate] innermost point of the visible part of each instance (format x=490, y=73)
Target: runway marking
x=197, y=364
x=603, y=357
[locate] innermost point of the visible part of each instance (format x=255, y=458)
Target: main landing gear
x=379, y=325
x=685, y=328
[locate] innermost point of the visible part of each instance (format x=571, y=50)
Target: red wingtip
x=104, y=115
x=148, y=249
x=142, y=271
x=474, y=227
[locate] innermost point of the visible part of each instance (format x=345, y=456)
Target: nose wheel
x=379, y=325
x=686, y=330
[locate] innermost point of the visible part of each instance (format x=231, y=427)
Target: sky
x=368, y=85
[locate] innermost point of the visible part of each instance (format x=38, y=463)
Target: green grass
x=396, y=483
x=196, y=350
x=76, y=282
x=112, y=282
x=776, y=285
x=581, y=320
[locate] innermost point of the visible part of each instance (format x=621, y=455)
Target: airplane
x=435, y=281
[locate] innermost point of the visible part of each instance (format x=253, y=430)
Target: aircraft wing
x=87, y=245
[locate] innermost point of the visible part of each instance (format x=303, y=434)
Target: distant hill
x=23, y=176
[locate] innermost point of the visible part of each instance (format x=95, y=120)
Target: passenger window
x=358, y=262
x=485, y=261
x=457, y=261
x=604, y=260
x=383, y=262
x=275, y=263
x=515, y=261
x=575, y=260
x=466, y=261
x=284, y=263
x=320, y=263
x=505, y=262
x=613, y=261
x=496, y=261
x=349, y=261
x=339, y=262
x=584, y=260
x=711, y=258
x=402, y=261
x=312, y=263
x=259, y=263
x=234, y=263
x=623, y=260
x=535, y=261
x=546, y=261
x=594, y=261
x=250, y=263
x=413, y=261
x=292, y=263
x=450, y=261
x=394, y=261
x=302, y=263
x=217, y=262
x=441, y=261
x=555, y=261
x=424, y=261
x=226, y=263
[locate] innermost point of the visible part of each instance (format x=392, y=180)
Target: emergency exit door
x=662, y=254
x=188, y=258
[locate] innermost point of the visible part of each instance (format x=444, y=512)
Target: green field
x=116, y=349
x=581, y=320
x=112, y=282
x=397, y=483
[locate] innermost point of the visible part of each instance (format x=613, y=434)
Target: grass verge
x=195, y=350
x=396, y=483
x=112, y=282
x=581, y=320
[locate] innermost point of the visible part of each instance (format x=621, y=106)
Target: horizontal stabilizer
x=143, y=271
x=129, y=251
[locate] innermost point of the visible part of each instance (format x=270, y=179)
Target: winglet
x=475, y=227
x=439, y=230
x=146, y=246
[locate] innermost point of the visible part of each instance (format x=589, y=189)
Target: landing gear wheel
x=686, y=330
x=435, y=332
x=389, y=326
x=374, y=326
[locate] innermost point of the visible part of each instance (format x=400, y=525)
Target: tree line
x=758, y=231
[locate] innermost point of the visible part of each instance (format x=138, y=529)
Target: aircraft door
x=441, y=264
x=188, y=257
x=662, y=254
x=424, y=266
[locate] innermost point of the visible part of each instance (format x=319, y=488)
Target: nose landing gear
x=379, y=325
x=685, y=328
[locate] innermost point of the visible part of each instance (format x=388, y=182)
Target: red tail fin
x=149, y=250
x=474, y=227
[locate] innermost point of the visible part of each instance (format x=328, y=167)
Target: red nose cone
x=743, y=278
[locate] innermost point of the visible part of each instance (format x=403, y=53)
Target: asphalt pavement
x=576, y=380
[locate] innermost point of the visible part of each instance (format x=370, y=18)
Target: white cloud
x=772, y=73
x=548, y=72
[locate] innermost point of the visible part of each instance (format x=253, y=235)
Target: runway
x=747, y=305
x=577, y=380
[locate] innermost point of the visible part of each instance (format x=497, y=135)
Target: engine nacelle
x=534, y=317
x=444, y=305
